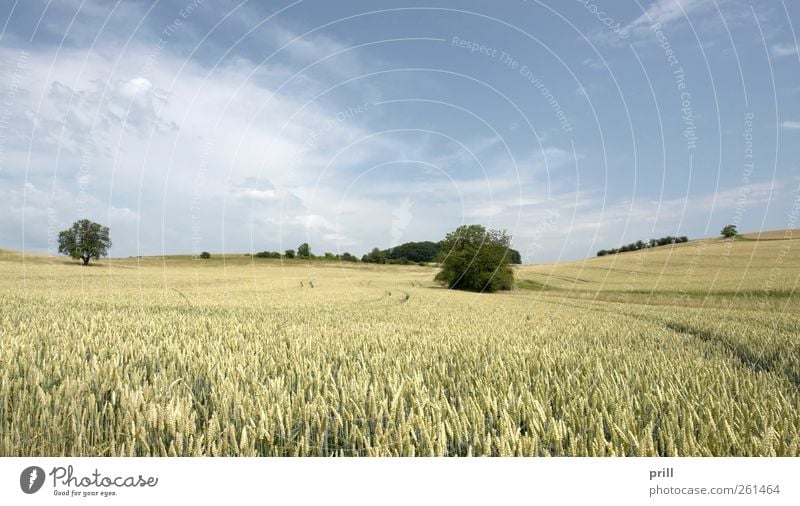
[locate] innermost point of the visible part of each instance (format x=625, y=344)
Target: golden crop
x=244, y=357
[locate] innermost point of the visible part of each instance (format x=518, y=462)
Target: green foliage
x=636, y=246
x=729, y=231
x=345, y=257
x=476, y=259
x=420, y=253
x=304, y=251
x=425, y=251
x=375, y=256
x=84, y=240
x=205, y=255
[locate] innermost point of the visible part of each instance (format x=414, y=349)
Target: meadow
x=684, y=350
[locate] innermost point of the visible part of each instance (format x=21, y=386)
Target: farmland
x=684, y=350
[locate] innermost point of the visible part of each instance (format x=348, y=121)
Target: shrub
x=476, y=259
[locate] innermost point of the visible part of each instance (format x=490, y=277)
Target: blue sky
x=233, y=127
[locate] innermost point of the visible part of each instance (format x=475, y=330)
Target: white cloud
x=123, y=214
x=791, y=125
x=168, y=143
x=251, y=194
x=593, y=64
x=779, y=50
x=664, y=12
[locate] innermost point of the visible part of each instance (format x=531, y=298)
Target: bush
x=729, y=231
x=476, y=259
x=205, y=254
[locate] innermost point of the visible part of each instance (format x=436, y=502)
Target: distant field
x=712, y=272
x=681, y=350
x=774, y=234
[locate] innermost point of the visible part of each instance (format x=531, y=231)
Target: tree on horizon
x=84, y=240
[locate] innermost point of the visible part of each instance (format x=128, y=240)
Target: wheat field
x=687, y=350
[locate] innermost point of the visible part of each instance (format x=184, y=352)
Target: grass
x=673, y=351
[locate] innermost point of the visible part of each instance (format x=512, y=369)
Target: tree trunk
x=85, y=260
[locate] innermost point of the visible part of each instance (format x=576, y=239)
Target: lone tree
x=84, y=240
x=304, y=251
x=476, y=259
x=729, y=231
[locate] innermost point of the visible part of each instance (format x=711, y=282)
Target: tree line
x=635, y=246
x=304, y=252
x=420, y=252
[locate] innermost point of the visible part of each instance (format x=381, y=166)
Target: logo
x=31, y=479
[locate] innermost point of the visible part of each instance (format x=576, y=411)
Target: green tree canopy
x=425, y=251
x=476, y=259
x=375, y=256
x=729, y=231
x=84, y=240
x=304, y=251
